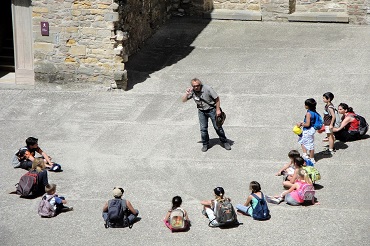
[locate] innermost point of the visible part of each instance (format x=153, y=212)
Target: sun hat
x=117, y=191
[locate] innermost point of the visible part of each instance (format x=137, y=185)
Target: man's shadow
x=216, y=141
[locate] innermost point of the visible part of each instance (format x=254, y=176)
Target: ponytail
x=304, y=175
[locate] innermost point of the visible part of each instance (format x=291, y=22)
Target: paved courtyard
x=148, y=141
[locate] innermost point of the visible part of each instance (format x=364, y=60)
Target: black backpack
x=27, y=184
x=363, y=125
x=261, y=211
x=117, y=214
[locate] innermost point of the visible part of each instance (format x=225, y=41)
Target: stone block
x=43, y=47
x=111, y=16
x=78, y=50
x=319, y=17
x=226, y=14
x=40, y=10
x=120, y=75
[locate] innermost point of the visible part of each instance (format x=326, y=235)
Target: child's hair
x=304, y=175
x=293, y=154
x=31, y=141
x=345, y=107
x=176, y=202
x=298, y=162
x=311, y=104
x=50, y=188
x=329, y=96
x=219, y=192
x=38, y=164
x=255, y=187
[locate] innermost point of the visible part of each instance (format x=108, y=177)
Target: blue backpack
x=318, y=121
x=261, y=211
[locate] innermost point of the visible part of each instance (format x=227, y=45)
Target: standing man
x=208, y=104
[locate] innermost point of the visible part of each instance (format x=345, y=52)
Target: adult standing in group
x=208, y=104
x=349, y=127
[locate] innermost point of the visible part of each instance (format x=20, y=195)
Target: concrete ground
x=147, y=140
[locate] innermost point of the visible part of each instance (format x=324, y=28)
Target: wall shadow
x=170, y=44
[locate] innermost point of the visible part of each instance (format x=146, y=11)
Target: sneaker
x=204, y=148
x=227, y=146
x=305, y=156
x=273, y=200
x=327, y=152
x=313, y=160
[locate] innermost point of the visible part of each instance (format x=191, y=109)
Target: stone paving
x=147, y=140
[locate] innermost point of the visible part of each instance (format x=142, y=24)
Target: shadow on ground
x=170, y=44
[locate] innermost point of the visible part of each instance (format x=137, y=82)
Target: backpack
x=117, y=216
x=177, y=220
x=225, y=213
x=27, y=184
x=45, y=208
x=363, y=125
x=318, y=121
x=261, y=211
x=308, y=162
x=17, y=156
x=338, y=119
x=307, y=193
x=313, y=173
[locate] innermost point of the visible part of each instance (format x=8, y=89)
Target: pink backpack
x=45, y=208
x=307, y=193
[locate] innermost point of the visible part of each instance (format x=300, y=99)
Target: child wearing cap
x=126, y=206
x=209, y=206
x=56, y=201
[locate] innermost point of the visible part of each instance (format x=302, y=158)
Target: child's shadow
x=318, y=187
x=337, y=146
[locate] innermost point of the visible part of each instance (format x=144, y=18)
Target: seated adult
x=349, y=127
x=38, y=166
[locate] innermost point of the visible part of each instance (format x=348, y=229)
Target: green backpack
x=313, y=173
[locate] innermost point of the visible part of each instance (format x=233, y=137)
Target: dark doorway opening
x=6, y=39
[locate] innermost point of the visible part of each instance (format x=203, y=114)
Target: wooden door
x=23, y=42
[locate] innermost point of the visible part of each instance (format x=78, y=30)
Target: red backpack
x=27, y=184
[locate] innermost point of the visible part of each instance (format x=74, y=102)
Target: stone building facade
x=89, y=41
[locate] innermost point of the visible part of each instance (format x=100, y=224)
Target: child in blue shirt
x=307, y=139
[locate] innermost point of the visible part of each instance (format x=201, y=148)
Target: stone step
x=226, y=14
x=319, y=17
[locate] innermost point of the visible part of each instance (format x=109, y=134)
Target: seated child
x=210, y=208
x=288, y=169
x=293, y=196
x=26, y=155
x=111, y=206
x=290, y=179
x=56, y=201
x=251, y=202
x=177, y=218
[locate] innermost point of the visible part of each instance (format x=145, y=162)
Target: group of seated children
x=35, y=182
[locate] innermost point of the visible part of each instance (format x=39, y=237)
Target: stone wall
x=237, y=4
x=80, y=45
x=90, y=40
